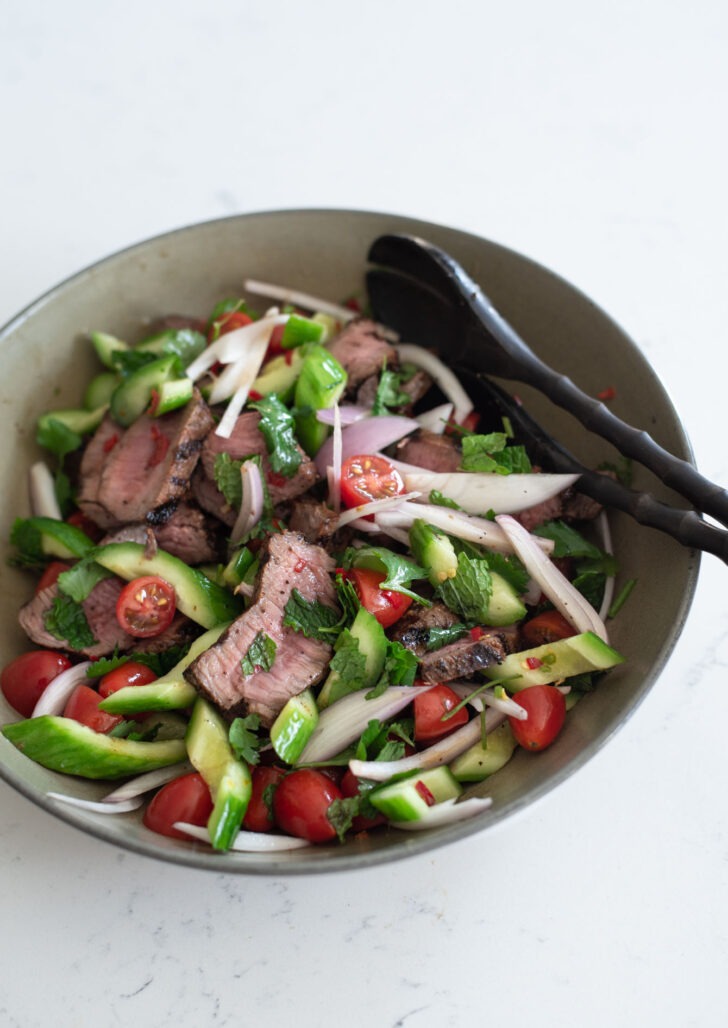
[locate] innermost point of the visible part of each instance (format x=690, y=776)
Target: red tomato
x=130, y=673
x=350, y=787
x=50, y=575
x=186, y=798
x=429, y=709
x=146, y=606
x=258, y=817
x=300, y=803
x=546, y=713
x=274, y=343
x=83, y=706
x=80, y=520
x=367, y=478
x=386, y=605
x=227, y=323
x=546, y=628
x=24, y=679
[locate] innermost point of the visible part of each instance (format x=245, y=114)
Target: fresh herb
x=310, y=617
x=278, y=429
x=439, y=637
x=389, y=394
x=63, y=491
x=244, y=742
x=591, y=575
x=27, y=540
x=57, y=438
x=567, y=541
x=622, y=597
x=468, y=593
x=160, y=663
x=341, y=813
x=66, y=620
x=261, y=655
x=348, y=598
x=227, y=306
x=622, y=468
x=400, y=668
x=227, y=479
x=399, y=571
x=510, y=568
x=348, y=664
x=79, y=580
x=129, y=361
x=437, y=498
x=491, y=453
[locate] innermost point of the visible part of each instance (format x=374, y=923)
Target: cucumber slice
x=299, y=330
x=505, y=606
x=76, y=419
x=294, y=726
x=51, y=538
x=551, y=662
x=171, y=395
x=373, y=644
x=434, y=551
x=320, y=384
x=62, y=744
x=99, y=390
x=409, y=799
x=479, y=762
x=279, y=376
x=132, y=397
x=106, y=346
x=200, y=599
x=185, y=343
x=227, y=777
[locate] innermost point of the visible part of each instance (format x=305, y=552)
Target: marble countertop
x=588, y=137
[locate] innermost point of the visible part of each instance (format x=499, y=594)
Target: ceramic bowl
x=46, y=360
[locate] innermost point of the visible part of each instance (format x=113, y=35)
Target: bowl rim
x=199, y=856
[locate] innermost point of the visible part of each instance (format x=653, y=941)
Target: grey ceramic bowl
x=46, y=361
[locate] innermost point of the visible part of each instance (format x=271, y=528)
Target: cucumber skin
x=574, y=656
x=399, y=800
x=476, y=764
x=294, y=726
x=61, y=744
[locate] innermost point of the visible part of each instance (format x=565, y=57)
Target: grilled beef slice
x=100, y=611
x=188, y=534
x=462, y=658
x=95, y=455
x=299, y=662
x=313, y=519
x=413, y=628
x=431, y=451
x=361, y=351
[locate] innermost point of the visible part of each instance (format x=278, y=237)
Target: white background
x=589, y=136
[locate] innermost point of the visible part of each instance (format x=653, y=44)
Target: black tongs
x=426, y=296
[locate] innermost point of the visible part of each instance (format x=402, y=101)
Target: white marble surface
x=589, y=136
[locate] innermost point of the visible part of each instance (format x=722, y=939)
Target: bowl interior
x=47, y=361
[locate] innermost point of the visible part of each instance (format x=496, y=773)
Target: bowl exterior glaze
x=47, y=361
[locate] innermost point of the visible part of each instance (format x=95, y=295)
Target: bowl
x=47, y=360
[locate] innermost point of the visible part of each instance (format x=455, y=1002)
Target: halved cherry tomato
x=548, y=627
x=186, y=798
x=350, y=786
x=82, y=521
x=546, y=709
x=429, y=709
x=301, y=801
x=50, y=575
x=386, y=605
x=146, y=606
x=369, y=477
x=83, y=706
x=227, y=323
x=24, y=679
x=131, y=673
x=258, y=817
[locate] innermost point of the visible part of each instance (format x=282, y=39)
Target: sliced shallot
x=146, y=782
x=372, y=508
x=297, y=298
x=336, y=462
x=462, y=526
x=603, y=525
x=348, y=413
x=247, y=842
x=232, y=345
x=42, y=492
x=445, y=813
x=55, y=696
x=436, y=419
x=251, y=505
x=96, y=806
x=369, y=435
x=478, y=491
x=442, y=375
x=487, y=698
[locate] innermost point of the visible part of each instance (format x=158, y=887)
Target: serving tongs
x=426, y=296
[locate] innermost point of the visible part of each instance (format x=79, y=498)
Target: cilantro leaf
x=389, y=394
x=400, y=668
x=80, y=579
x=399, y=571
x=244, y=742
x=55, y=436
x=468, y=593
x=66, y=620
x=310, y=617
x=227, y=479
x=261, y=655
x=439, y=500
x=277, y=428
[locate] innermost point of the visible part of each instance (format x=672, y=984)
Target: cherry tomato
x=83, y=706
x=227, y=323
x=50, y=575
x=130, y=673
x=300, y=803
x=386, y=605
x=82, y=521
x=350, y=786
x=546, y=628
x=186, y=798
x=429, y=709
x=258, y=817
x=24, y=679
x=367, y=478
x=146, y=606
x=546, y=709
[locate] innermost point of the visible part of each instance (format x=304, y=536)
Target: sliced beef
x=534, y=516
x=416, y=386
x=181, y=631
x=100, y=611
x=313, y=519
x=413, y=628
x=209, y=497
x=462, y=658
x=431, y=451
x=95, y=455
x=366, y=394
x=187, y=533
x=299, y=662
x=361, y=351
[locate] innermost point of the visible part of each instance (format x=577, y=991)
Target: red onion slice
x=442, y=375
x=145, y=783
x=347, y=411
x=369, y=435
x=55, y=696
x=247, y=842
x=336, y=462
x=445, y=813
x=42, y=492
x=251, y=506
x=96, y=807
x=568, y=600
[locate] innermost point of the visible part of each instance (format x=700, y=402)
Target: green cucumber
x=299, y=330
x=294, y=726
x=237, y=567
x=505, y=606
x=200, y=599
x=479, y=762
x=320, y=384
x=434, y=551
x=106, y=346
x=99, y=390
x=409, y=799
x=76, y=419
x=51, y=538
x=279, y=376
x=228, y=778
x=170, y=692
x=552, y=662
x=62, y=744
x=330, y=325
x=132, y=397
x=184, y=343
x=171, y=395
x=372, y=641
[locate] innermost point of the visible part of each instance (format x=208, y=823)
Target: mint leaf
x=261, y=655
x=310, y=617
x=79, y=580
x=277, y=427
x=567, y=541
x=468, y=593
x=399, y=571
x=439, y=637
x=244, y=742
x=510, y=568
x=66, y=620
x=400, y=668
x=227, y=479
x=27, y=540
x=56, y=437
x=349, y=664
x=341, y=814
x=160, y=663
x=490, y=453
x=348, y=598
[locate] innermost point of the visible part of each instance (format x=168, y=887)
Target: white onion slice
x=354, y=513
x=55, y=696
x=568, y=600
x=343, y=722
x=478, y=491
x=436, y=420
x=297, y=298
x=146, y=782
x=367, y=436
x=487, y=698
x=603, y=525
x=442, y=375
x=441, y=752
x=251, y=506
x=247, y=842
x=245, y=373
x=463, y=526
x=445, y=813
x=42, y=492
x=348, y=412
x=98, y=807
x=336, y=462
x=232, y=345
